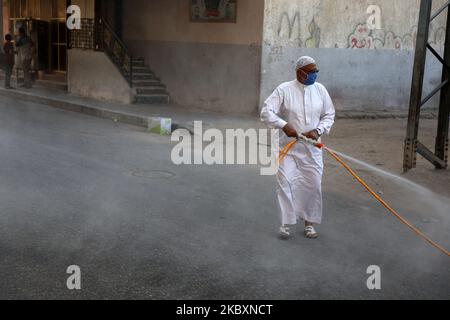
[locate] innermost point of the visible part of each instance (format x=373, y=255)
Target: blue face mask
x=312, y=78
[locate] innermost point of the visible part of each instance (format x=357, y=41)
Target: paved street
x=78, y=190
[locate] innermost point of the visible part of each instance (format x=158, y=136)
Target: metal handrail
x=111, y=29
x=109, y=49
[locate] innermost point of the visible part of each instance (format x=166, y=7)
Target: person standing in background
x=25, y=50
x=8, y=49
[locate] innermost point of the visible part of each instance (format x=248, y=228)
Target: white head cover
x=304, y=61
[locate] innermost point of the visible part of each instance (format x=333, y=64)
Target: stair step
x=152, y=99
x=47, y=82
x=144, y=76
x=139, y=63
x=52, y=84
x=147, y=83
x=151, y=90
x=143, y=73
x=141, y=69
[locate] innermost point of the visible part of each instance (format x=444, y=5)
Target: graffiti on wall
x=289, y=28
x=314, y=40
x=299, y=29
x=365, y=38
x=437, y=38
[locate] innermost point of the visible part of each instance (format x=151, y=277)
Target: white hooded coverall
x=299, y=177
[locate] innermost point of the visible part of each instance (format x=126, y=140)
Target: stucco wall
x=213, y=66
x=84, y=78
x=87, y=8
x=162, y=20
x=362, y=68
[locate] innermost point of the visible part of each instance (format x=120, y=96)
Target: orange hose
x=286, y=150
x=289, y=147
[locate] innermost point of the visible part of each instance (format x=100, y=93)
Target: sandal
x=311, y=233
x=285, y=232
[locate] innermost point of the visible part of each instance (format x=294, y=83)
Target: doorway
x=45, y=22
x=58, y=36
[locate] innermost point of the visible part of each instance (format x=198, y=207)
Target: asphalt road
x=77, y=190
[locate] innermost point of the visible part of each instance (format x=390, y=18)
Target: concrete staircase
x=148, y=88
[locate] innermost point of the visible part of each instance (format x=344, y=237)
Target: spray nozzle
x=311, y=141
x=320, y=145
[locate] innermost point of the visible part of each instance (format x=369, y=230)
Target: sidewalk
x=143, y=115
x=137, y=114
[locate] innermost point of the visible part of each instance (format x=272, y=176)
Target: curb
x=371, y=115
x=96, y=111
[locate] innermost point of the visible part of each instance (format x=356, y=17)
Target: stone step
x=141, y=69
x=144, y=76
x=137, y=68
x=45, y=83
x=147, y=83
x=151, y=90
x=53, y=84
x=139, y=63
x=143, y=72
x=152, y=99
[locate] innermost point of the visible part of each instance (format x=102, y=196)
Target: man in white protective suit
x=301, y=106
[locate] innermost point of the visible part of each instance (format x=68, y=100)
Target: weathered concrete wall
x=362, y=68
x=92, y=74
x=212, y=66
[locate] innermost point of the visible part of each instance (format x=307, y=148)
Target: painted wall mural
x=213, y=11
